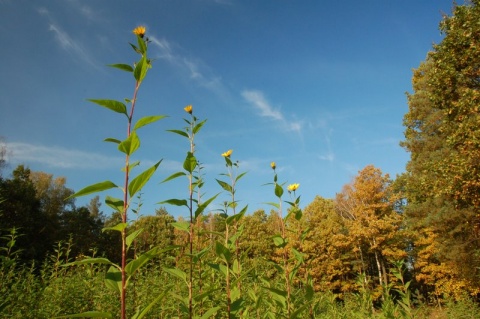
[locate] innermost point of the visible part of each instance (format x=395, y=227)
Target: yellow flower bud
x=140, y=31
x=227, y=153
x=188, y=109
x=293, y=187
x=273, y=165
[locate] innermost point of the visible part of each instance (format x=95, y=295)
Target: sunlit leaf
x=113, y=279
x=138, y=182
x=123, y=67
x=115, y=203
x=182, y=133
x=176, y=273
x=174, y=201
x=141, y=69
x=113, y=105
x=130, y=144
x=190, y=163
x=112, y=140
x=147, y=120
x=98, y=187
x=173, y=176
x=130, y=238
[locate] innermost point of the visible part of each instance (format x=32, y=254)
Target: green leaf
x=141, y=69
x=135, y=264
x=130, y=144
x=147, y=120
x=88, y=314
x=278, y=295
x=130, y=238
x=182, y=133
x=240, y=176
x=118, y=227
x=173, y=176
x=113, y=105
x=198, y=126
x=222, y=252
x=138, y=182
x=276, y=205
x=225, y=186
x=278, y=190
x=141, y=314
x=279, y=241
x=176, y=273
x=210, y=313
x=112, y=140
x=123, y=67
x=113, y=279
x=203, y=206
x=185, y=226
x=141, y=45
x=88, y=261
x=174, y=201
x=219, y=267
x=190, y=163
x=115, y=203
x=135, y=48
x=98, y=187
x=236, y=217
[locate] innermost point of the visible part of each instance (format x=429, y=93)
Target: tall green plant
x=118, y=276
x=195, y=209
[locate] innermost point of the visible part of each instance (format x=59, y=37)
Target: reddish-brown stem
x=123, y=294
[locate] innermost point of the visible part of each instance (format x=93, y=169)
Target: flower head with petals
x=140, y=31
x=227, y=153
x=293, y=187
x=188, y=109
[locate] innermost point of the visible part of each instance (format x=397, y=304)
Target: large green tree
x=442, y=182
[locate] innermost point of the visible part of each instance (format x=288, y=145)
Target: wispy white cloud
x=58, y=157
x=190, y=67
x=66, y=41
x=257, y=99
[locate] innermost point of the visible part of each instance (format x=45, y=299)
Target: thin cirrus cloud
x=58, y=157
x=258, y=100
x=66, y=42
x=194, y=70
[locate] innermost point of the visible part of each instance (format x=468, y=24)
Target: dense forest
x=384, y=247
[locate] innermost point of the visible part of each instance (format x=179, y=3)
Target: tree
x=442, y=183
x=367, y=206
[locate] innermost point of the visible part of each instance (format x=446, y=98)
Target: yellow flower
x=293, y=187
x=140, y=31
x=227, y=153
x=188, y=109
x=273, y=165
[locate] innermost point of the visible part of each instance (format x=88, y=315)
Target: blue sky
x=316, y=86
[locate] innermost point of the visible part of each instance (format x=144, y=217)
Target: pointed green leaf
x=276, y=205
x=185, y=226
x=115, y=203
x=113, y=279
x=123, y=67
x=190, y=163
x=220, y=268
x=147, y=120
x=113, y=105
x=95, y=188
x=138, y=262
x=88, y=314
x=88, y=261
x=138, y=182
x=130, y=238
x=118, y=227
x=130, y=144
x=222, y=252
x=141, y=69
x=279, y=241
x=176, y=273
x=173, y=176
x=240, y=176
x=278, y=190
x=182, y=133
x=141, y=45
x=174, y=201
x=210, y=313
x=236, y=217
x=135, y=48
x=141, y=314
x=112, y=140
x=204, y=205
x=224, y=185
x=198, y=127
